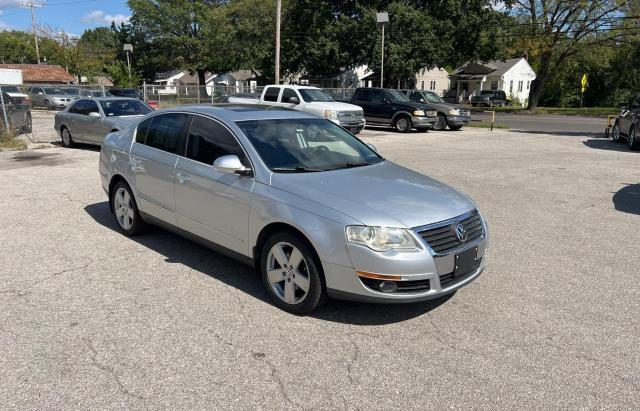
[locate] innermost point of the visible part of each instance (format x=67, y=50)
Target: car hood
x=383, y=194
x=335, y=105
x=444, y=107
x=122, y=122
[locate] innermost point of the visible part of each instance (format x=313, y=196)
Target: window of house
x=271, y=94
x=494, y=85
x=422, y=85
x=432, y=85
x=528, y=84
x=166, y=130
x=209, y=140
x=520, y=84
x=511, y=86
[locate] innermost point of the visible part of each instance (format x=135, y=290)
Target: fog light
x=388, y=287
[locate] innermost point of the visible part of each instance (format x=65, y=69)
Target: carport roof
x=41, y=73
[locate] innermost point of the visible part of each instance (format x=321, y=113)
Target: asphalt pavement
x=551, y=124
x=91, y=319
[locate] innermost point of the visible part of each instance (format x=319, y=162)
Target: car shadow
x=590, y=134
x=179, y=250
x=627, y=199
x=606, y=144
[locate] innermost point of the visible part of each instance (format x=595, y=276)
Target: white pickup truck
x=311, y=100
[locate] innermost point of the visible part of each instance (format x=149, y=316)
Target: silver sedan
x=88, y=120
x=316, y=211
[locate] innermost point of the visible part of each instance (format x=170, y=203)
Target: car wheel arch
x=281, y=227
x=400, y=113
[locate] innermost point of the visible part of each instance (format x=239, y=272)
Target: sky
x=72, y=16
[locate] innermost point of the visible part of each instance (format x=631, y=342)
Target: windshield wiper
x=296, y=170
x=352, y=165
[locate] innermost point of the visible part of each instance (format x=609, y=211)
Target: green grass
x=9, y=141
x=479, y=124
x=567, y=111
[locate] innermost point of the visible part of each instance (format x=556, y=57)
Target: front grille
x=465, y=113
x=447, y=280
x=351, y=116
x=443, y=240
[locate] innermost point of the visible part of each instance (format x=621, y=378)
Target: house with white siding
x=435, y=79
x=513, y=76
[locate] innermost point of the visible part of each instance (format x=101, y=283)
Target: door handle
x=183, y=178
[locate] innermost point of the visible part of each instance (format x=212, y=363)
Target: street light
x=382, y=19
x=128, y=48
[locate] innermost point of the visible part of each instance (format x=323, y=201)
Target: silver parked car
x=88, y=120
x=50, y=97
x=315, y=210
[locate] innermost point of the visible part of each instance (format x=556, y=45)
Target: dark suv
x=627, y=124
x=453, y=115
x=391, y=107
x=489, y=98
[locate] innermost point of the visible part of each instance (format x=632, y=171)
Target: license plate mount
x=465, y=261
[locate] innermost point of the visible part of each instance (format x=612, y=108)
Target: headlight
x=331, y=114
x=431, y=113
x=418, y=112
x=380, y=238
x=454, y=112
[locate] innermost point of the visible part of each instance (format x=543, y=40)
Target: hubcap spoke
x=295, y=258
x=275, y=276
x=301, y=281
x=289, y=292
x=280, y=256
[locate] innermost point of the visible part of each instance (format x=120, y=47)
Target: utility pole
x=128, y=48
x=33, y=24
x=278, y=13
x=382, y=19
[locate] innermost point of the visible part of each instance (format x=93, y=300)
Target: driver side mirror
x=422, y=101
x=94, y=114
x=293, y=100
x=230, y=164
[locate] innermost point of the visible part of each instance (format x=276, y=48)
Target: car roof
x=240, y=112
x=114, y=98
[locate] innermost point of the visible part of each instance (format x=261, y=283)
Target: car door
x=382, y=110
x=75, y=112
x=87, y=125
x=37, y=96
x=154, y=153
x=363, y=99
x=209, y=203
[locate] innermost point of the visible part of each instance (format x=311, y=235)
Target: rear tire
x=441, y=124
x=125, y=210
x=402, y=124
x=632, y=140
x=288, y=265
x=67, y=140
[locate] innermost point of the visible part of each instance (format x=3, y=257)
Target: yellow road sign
x=584, y=82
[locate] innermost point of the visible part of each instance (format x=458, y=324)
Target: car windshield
x=310, y=95
x=51, y=90
x=72, y=91
x=127, y=93
x=9, y=89
x=120, y=108
x=432, y=97
x=306, y=145
x=395, y=95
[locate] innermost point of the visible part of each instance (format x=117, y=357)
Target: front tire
x=291, y=273
x=67, y=140
x=125, y=210
x=632, y=140
x=615, y=133
x=402, y=124
x=441, y=124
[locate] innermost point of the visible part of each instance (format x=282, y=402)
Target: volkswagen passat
x=316, y=211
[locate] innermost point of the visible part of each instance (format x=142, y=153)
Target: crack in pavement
x=352, y=362
x=112, y=372
x=274, y=375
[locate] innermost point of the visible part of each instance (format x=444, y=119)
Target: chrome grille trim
x=441, y=239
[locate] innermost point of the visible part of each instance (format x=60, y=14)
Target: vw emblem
x=461, y=233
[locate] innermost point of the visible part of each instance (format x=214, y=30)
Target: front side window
x=271, y=94
x=311, y=94
x=378, y=97
x=209, y=140
x=433, y=97
x=120, y=108
x=166, y=131
x=395, y=95
x=91, y=107
x=52, y=90
x=78, y=107
x=306, y=145
x=287, y=93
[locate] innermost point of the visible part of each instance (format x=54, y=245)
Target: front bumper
x=431, y=271
x=423, y=122
x=458, y=120
x=353, y=127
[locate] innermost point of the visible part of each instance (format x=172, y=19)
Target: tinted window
x=77, y=108
x=271, y=94
x=363, y=95
x=117, y=108
x=91, y=107
x=141, y=132
x=165, y=131
x=209, y=140
x=287, y=94
x=378, y=97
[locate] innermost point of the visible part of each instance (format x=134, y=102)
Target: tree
x=555, y=30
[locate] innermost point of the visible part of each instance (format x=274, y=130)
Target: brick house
x=42, y=73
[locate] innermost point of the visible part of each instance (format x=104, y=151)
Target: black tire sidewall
x=409, y=125
x=71, y=143
x=616, y=125
x=632, y=139
x=138, y=225
x=316, y=294
x=442, y=120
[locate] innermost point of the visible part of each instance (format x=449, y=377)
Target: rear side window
x=141, y=132
x=271, y=94
x=165, y=132
x=363, y=95
x=209, y=140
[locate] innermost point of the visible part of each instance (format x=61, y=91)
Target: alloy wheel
x=402, y=124
x=288, y=273
x=66, y=137
x=123, y=208
x=615, y=133
x=441, y=124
